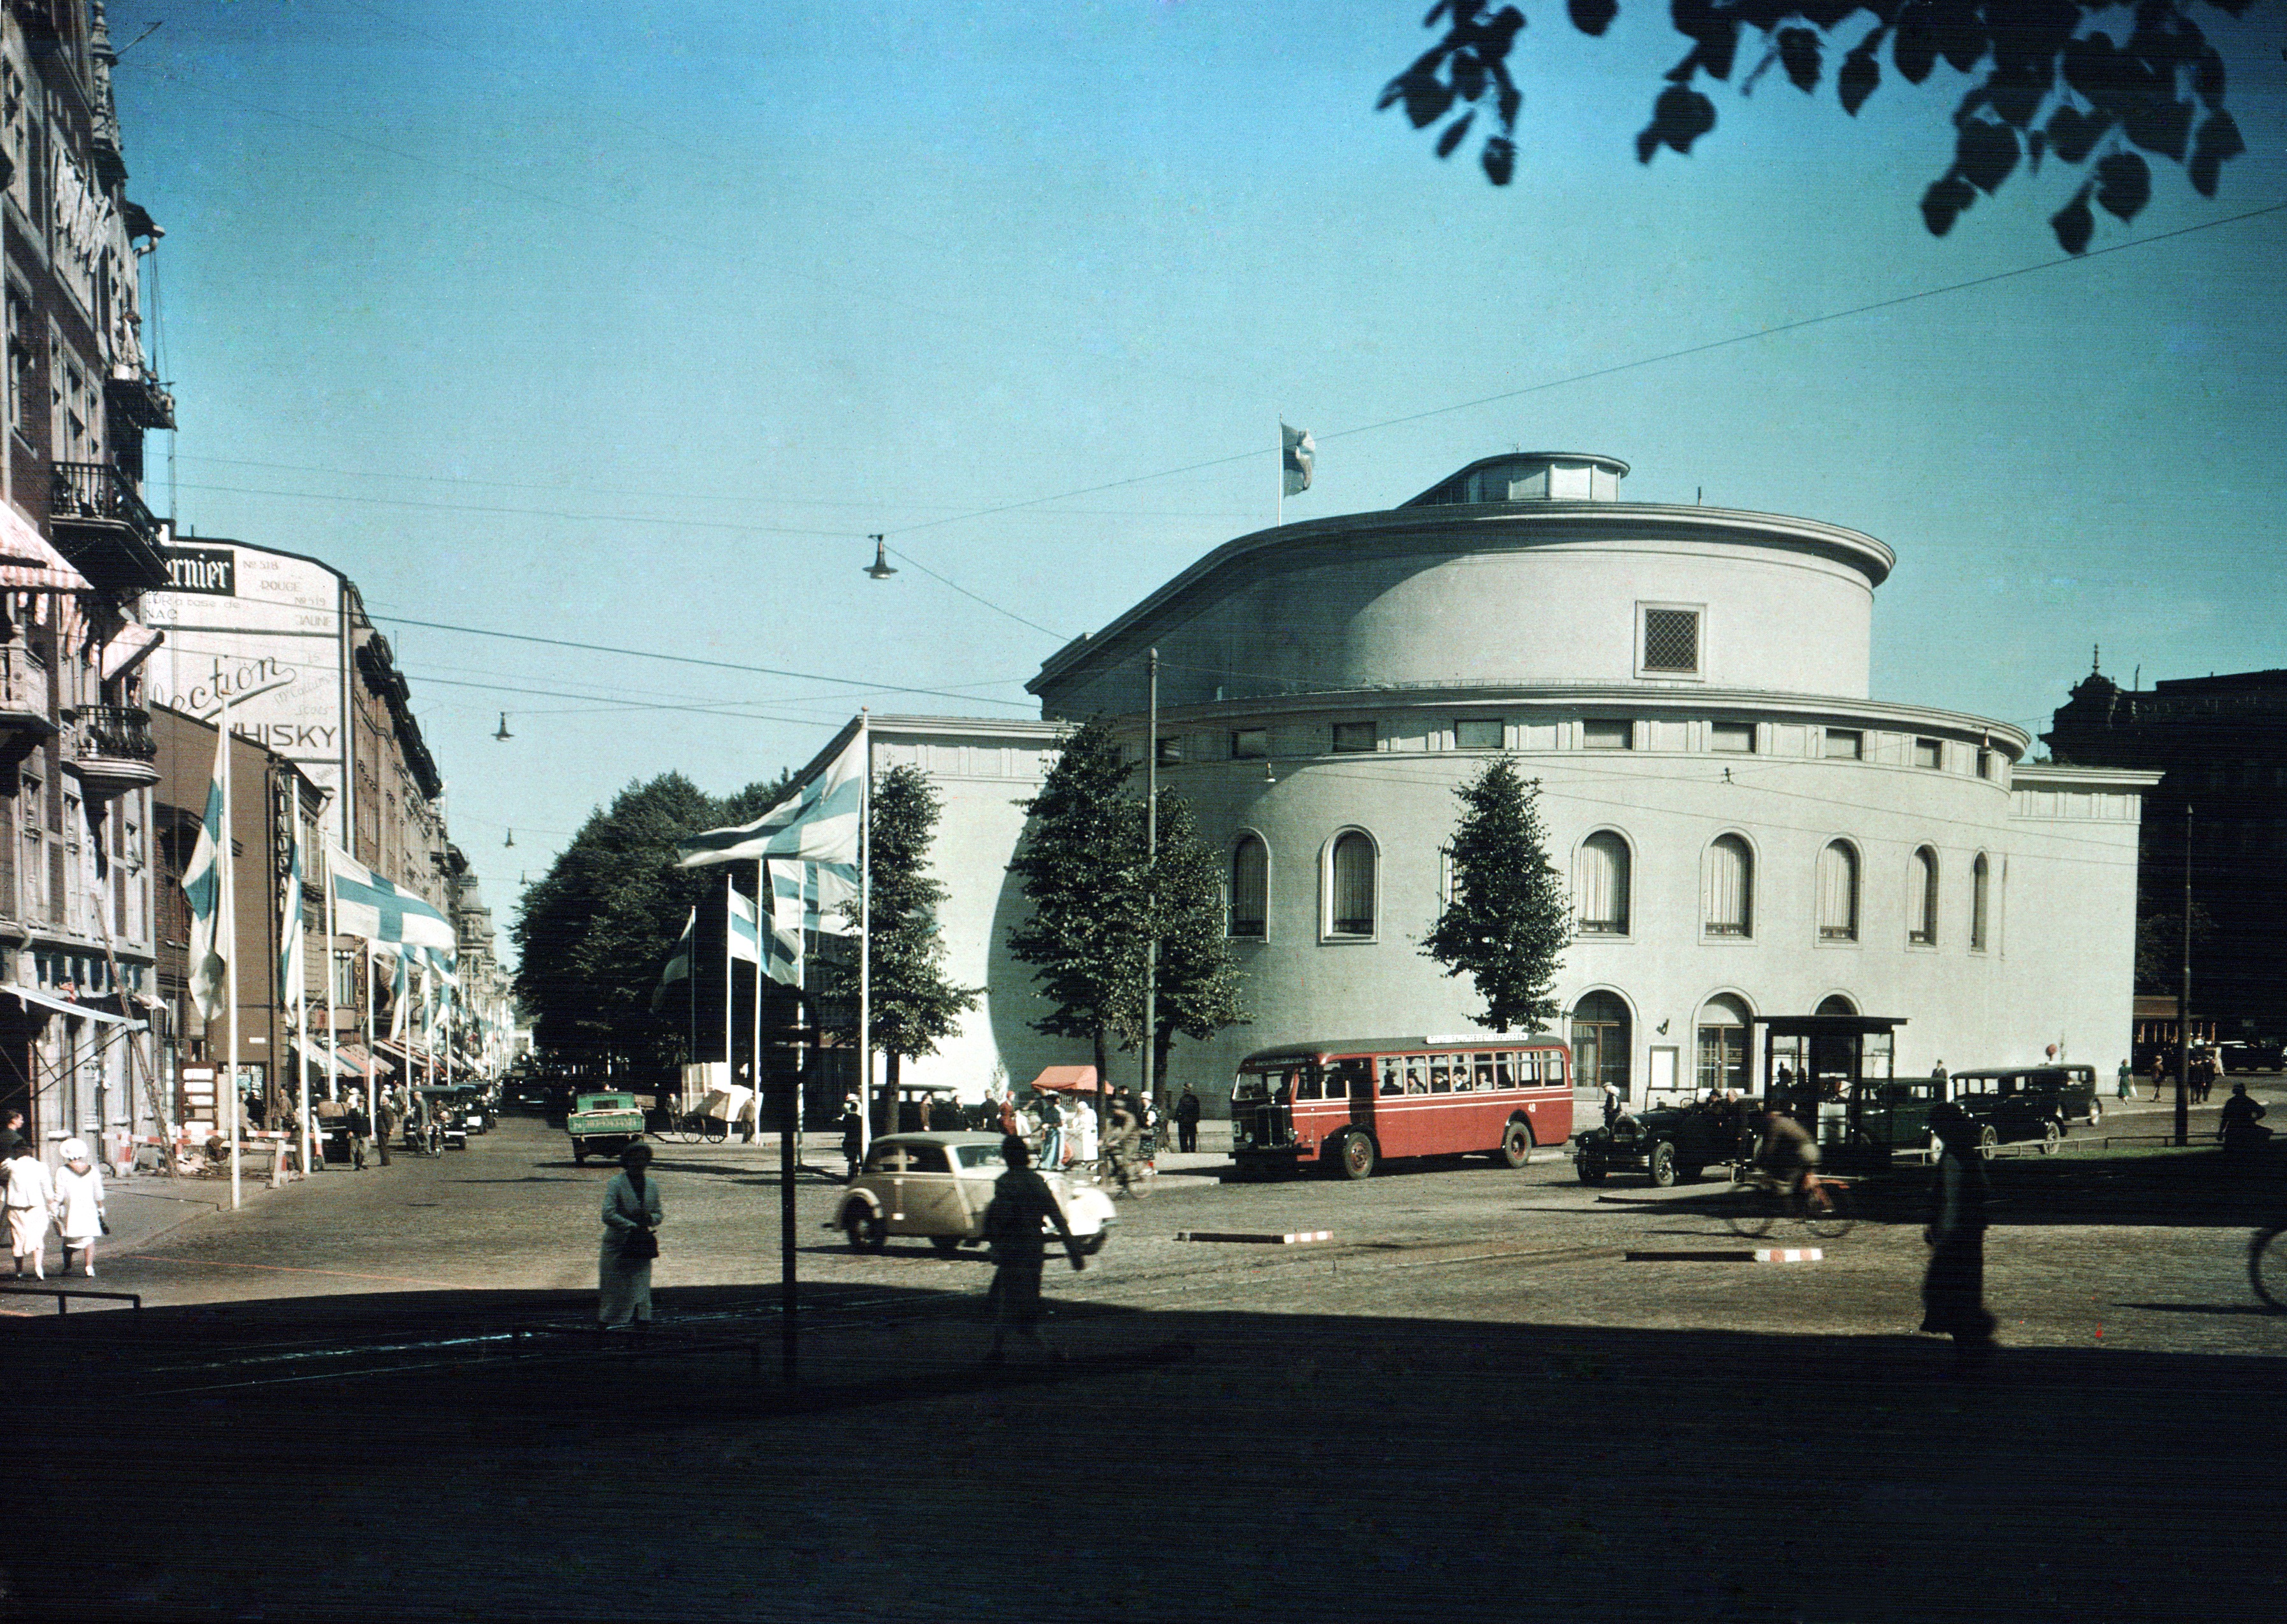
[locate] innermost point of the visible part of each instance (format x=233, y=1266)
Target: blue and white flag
x=678, y=963
x=817, y=823
x=1298, y=455
x=290, y=983
x=744, y=937
x=398, y=998
x=202, y=887
x=367, y=905
x=436, y=1004
x=806, y=896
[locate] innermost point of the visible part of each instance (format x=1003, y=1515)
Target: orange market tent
x=1058, y=1079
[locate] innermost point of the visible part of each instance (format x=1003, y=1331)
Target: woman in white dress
x=1082, y=1138
x=631, y=1214
x=31, y=1199
x=79, y=1206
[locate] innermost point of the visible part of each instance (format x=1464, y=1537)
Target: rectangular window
x=1846, y=744
x=1353, y=738
x=1929, y=752
x=1607, y=736
x=1250, y=744
x=1171, y=750
x=1738, y=738
x=1671, y=640
x=1985, y=763
x=1477, y=733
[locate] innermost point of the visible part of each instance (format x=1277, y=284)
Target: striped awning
x=29, y=560
x=128, y=646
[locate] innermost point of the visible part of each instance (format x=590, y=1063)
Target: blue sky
x=627, y=323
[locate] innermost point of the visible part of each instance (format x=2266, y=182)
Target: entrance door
x=1600, y=1042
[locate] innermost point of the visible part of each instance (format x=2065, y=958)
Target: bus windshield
x=1282, y=1082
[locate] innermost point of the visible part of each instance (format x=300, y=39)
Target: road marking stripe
x=1808, y=1254
x=1297, y=1238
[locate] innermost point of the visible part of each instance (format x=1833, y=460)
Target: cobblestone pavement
x=1470, y=1402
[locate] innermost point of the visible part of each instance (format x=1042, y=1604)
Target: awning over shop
x=1058, y=1078
x=315, y=1053
x=31, y=998
x=127, y=648
x=29, y=560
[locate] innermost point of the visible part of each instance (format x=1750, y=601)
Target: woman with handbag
x=632, y=1215
x=79, y=1204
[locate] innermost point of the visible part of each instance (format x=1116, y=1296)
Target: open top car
x=938, y=1184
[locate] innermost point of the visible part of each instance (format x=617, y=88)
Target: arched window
x=1349, y=871
x=1730, y=900
x=1835, y=1003
x=1250, y=887
x=1603, y=886
x=1980, y=874
x=1723, y=1044
x=1600, y=1042
x=1838, y=893
x=1921, y=898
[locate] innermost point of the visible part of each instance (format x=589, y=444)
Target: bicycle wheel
x=714, y=1130
x=2266, y=1267
x=1752, y=1209
x=1828, y=1213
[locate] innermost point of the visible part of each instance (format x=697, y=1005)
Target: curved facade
x=1745, y=831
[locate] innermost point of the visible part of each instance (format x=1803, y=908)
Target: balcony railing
x=103, y=527
x=117, y=732
x=23, y=690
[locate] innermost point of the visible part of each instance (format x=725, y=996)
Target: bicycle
x=1141, y=1172
x=2266, y=1266
x=1757, y=1201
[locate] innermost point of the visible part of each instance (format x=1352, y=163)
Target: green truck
x=603, y=1124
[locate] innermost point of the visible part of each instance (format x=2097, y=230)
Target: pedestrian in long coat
x=1022, y=1203
x=632, y=1214
x=1953, y=1289
x=31, y=1194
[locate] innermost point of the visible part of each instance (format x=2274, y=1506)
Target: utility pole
x=1151, y=878
x=2184, y=1001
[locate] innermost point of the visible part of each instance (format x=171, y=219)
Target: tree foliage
x=2047, y=83
x=1507, y=922
x=1196, y=983
x=593, y=933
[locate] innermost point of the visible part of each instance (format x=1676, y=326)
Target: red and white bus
x=1348, y=1106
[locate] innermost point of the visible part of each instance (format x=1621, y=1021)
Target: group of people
x=69, y=1199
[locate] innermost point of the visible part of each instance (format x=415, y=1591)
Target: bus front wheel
x=1357, y=1157
x=1516, y=1145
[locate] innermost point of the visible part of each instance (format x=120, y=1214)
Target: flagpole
x=229, y=911
x=333, y=1040
x=866, y=935
x=1279, y=468
x=372, y=1059
x=730, y=1002
x=301, y=987
x=755, y=1046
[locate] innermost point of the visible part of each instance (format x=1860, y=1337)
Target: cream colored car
x=938, y=1184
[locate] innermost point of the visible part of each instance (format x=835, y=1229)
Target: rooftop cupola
x=1530, y=477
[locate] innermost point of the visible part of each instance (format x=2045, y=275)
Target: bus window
x=1354, y=1077
x=1417, y=1074
x=1389, y=1083
x=1484, y=1072
x=1441, y=1074
x=1505, y=1069
x=1306, y=1084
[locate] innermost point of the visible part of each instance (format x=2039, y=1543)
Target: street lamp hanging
x=503, y=735
x=511, y=839
x=880, y=569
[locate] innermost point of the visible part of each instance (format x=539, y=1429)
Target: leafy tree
x=1507, y=922
x=2045, y=84
x=1081, y=862
x=1196, y=986
x=913, y=1004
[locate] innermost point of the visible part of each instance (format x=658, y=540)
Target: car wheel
x=1591, y=1172
x=1516, y=1146
x=867, y=1231
x=1988, y=1141
x=2052, y=1136
x=1358, y=1157
x=2095, y=1113
x=1661, y=1163
x=946, y=1245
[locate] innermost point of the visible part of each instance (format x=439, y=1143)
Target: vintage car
x=938, y=1184
x=603, y=1124
x=2027, y=1102
x=1670, y=1142
x=2249, y=1054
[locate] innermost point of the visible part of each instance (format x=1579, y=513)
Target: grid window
x=1171, y=751
x=1353, y=738
x=1250, y=888
x=1250, y=744
x=1929, y=752
x=1738, y=738
x=1846, y=744
x=1671, y=639
x=1607, y=736
x=1477, y=733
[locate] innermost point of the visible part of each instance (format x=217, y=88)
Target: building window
x=32, y=872
x=1738, y=738
x=1601, y=1042
x=1350, y=899
x=1985, y=763
x=1730, y=899
x=1477, y=733
x=1838, y=893
x=1171, y=750
x=1353, y=738
x=1979, y=873
x=1250, y=744
x=1921, y=898
x=1929, y=752
x=1250, y=888
x=1607, y=736
x=1603, y=885
x=1671, y=640
x=1723, y=1045
x=1846, y=744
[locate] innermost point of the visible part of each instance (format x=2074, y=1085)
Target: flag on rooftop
x=203, y=888
x=817, y=823
x=367, y=905
x=1299, y=455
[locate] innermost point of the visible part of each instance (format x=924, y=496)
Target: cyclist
x=1788, y=1153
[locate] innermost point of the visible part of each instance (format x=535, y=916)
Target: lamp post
x=2184, y=1001
x=1151, y=878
